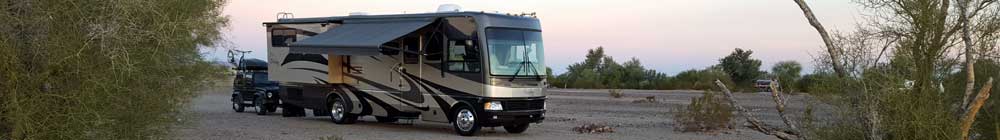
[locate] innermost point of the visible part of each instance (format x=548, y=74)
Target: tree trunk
x=970, y=53
x=831, y=48
x=970, y=116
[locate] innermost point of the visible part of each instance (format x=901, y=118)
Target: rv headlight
x=269, y=95
x=493, y=105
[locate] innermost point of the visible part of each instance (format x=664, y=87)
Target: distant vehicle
x=765, y=85
x=470, y=69
x=251, y=87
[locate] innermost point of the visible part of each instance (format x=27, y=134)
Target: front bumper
x=499, y=118
x=515, y=111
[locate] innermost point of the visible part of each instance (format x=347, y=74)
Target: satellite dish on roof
x=449, y=8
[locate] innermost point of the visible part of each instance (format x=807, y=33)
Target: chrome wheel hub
x=337, y=111
x=465, y=120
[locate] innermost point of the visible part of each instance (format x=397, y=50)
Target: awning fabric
x=358, y=37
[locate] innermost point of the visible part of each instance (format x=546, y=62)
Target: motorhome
x=470, y=69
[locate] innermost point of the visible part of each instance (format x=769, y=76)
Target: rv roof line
x=410, y=15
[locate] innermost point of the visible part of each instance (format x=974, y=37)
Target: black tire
x=340, y=112
x=516, y=128
x=386, y=119
x=258, y=104
x=462, y=124
x=238, y=103
x=289, y=110
x=271, y=108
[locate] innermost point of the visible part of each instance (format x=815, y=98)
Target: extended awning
x=360, y=37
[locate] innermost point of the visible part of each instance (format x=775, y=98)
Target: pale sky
x=666, y=35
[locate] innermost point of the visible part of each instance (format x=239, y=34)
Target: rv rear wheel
x=465, y=121
x=238, y=103
x=516, y=128
x=339, y=112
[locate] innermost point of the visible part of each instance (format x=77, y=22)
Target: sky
x=669, y=36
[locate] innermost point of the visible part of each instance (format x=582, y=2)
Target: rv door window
x=463, y=56
x=412, y=45
x=390, y=48
x=434, y=49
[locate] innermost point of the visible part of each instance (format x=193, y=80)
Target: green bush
x=102, y=69
x=704, y=114
x=700, y=79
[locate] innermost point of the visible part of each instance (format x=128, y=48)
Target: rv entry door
x=412, y=65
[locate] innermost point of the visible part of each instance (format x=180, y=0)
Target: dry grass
x=616, y=93
x=648, y=99
x=593, y=128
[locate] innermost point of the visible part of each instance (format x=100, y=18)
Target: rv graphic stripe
x=390, y=111
x=315, y=58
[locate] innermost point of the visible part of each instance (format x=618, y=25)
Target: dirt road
x=210, y=117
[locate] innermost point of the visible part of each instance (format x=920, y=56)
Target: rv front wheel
x=465, y=121
x=339, y=112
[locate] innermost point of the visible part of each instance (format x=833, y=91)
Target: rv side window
x=412, y=45
x=434, y=49
x=282, y=37
x=390, y=48
x=463, y=56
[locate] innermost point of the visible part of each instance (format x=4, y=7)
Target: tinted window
x=282, y=37
x=463, y=56
x=412, y=45
x=435, y=48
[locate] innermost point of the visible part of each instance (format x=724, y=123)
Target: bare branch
x=751, y=118
x=830, y=47
x=780, y=105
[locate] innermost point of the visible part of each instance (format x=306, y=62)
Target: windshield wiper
x=531, y=66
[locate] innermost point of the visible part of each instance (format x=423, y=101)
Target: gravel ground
x=210, y=117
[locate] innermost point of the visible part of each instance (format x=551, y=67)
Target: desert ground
x=209, y=116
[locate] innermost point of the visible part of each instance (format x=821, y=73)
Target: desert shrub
x=704, y=114
x=879, y=94
x=647, y=99
x=616, y=93
x=593, y=128
x=102, y=69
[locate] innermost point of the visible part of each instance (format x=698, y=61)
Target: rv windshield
x=515, y=52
